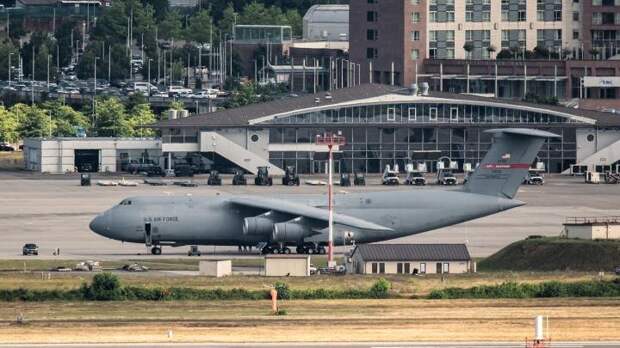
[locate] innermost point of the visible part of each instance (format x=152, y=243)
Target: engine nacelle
x=291, y=231
x=257, y=226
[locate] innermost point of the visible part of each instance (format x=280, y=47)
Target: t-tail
x=507, y=162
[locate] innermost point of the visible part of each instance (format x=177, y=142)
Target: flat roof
x=255, y=113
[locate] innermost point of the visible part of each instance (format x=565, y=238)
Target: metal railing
x=585, y=220
x=180, y=139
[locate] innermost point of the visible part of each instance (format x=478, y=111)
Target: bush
x=283, y=291
x=105, y=287
x=380, y=288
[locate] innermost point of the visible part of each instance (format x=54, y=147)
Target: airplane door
x=147, y=234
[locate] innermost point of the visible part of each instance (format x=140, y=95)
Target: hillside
x=555, y=254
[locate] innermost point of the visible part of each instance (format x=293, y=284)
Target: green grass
x=555, y=254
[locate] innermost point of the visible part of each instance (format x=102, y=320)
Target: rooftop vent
x=414, y=89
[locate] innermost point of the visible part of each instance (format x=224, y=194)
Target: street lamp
x=48, y=72
x=94, y=91
x=149, y=77
x=10, y=54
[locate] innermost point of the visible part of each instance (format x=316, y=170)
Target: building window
x=374, y=267
x=415, y=17
x=381, y=267
x=371, y=53
x=412, y=113
x=454, y=114
x=415, y=54
x=371, y=34
x=433, y=114
x=399, y=268
x=423, y=268
x=407, y=268
x=371, y=16
x=415, y=35
x=391, y=114
x=446, y=268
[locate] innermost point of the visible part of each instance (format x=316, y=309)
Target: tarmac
x=54, y=211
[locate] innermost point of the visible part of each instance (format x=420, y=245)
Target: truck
x=390, y=176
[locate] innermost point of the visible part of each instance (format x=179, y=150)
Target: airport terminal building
x=387, y=125
x=383, y=125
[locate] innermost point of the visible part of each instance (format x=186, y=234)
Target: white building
x=603, y=227
x=410, y=259
x=66, y=155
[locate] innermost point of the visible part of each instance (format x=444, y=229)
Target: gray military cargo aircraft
x=275, y=224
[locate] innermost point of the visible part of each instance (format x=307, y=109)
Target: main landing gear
x=307, y=248
x=156, y=250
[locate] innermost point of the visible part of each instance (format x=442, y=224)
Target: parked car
x=446, y=177
x=534, y=178
x=6, y=147
x=390, y=176
x=415, y=178
x=177, y=91
x=30, y=249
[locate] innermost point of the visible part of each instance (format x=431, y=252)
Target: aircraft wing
x=302, y=210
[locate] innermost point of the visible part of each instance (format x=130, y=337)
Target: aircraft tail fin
x=507, y=162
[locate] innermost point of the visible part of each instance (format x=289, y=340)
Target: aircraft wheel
x=300, y=250
x=156, y=250
x=266, y=250
x=286, y=251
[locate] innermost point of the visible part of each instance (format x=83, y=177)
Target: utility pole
x=109, y=64
x=48, y=71
x=149, y=74
x=94, y=115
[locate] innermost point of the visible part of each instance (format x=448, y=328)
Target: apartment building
x=600, y=27
x=391, y=38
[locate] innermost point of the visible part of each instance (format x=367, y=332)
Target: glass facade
x=378, y=135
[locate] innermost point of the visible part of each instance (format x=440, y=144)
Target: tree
x=228, y=19
x=200, y=27
x=468, y=47
x=67, y=120
x=504, y=54
x=140, y=116
x=7, y=47
x=111, y=118
x=8, y=126
x=170, y=26
x=33, y=121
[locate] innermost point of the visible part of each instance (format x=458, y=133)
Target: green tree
x=170, y=26
x=7, y=47
x=8, y=126
x=111, y=118
x=200, y=27
x=140, y=116
x=67, y=120
x=33, y=121
x=228, y=19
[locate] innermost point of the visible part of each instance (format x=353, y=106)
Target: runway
x=327, y=344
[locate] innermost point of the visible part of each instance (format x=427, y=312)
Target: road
x=54, y=212
x=326, y=344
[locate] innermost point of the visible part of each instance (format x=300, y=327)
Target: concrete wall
x=598, y=231
x=602, y=138
x=280, y=266
x=57, y=155
x=215, y=268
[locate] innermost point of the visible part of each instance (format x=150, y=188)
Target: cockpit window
x=126, y=202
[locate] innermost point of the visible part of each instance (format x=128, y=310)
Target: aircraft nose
x=99, y=225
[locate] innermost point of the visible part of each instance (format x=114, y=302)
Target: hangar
x=388, y=125
x=62, y=155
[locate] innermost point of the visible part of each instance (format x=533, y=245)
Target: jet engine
x=258, y=225
x=291, y=231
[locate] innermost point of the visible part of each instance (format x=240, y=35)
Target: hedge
x=592, y=288
x=107, y=287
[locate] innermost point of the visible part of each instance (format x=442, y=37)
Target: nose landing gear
x=156, y=250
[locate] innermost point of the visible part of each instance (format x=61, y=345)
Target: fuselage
x=192, y=220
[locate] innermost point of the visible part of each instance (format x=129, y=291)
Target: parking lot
x=54, y=212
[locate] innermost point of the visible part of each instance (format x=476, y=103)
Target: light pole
x=10, y=54
x=330, y=140
x=94, y=116
x=149, y=77
x=48, y=72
